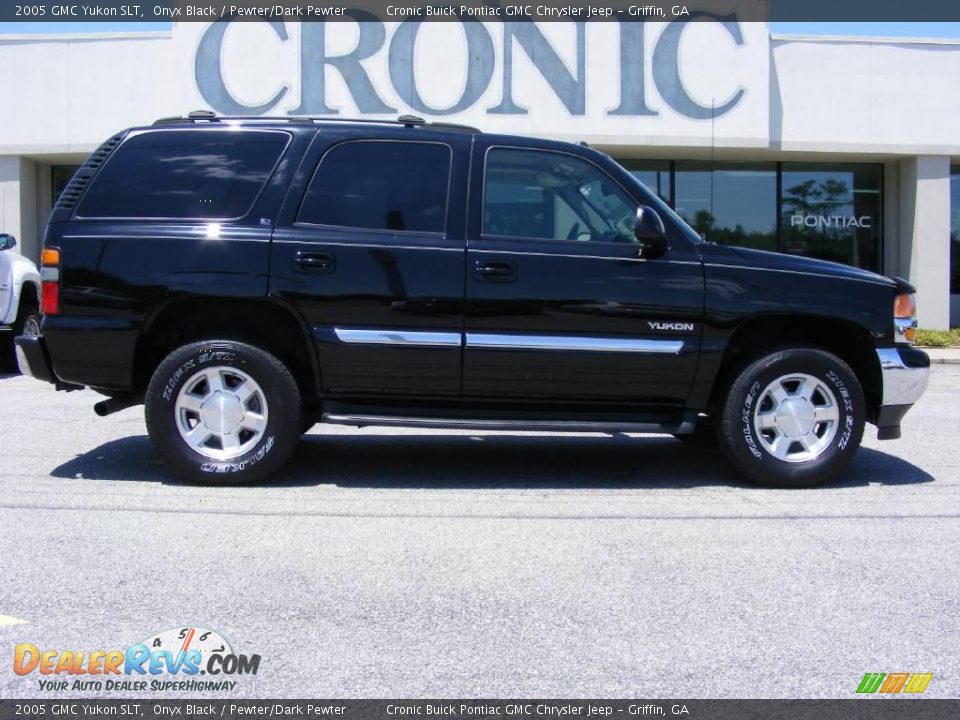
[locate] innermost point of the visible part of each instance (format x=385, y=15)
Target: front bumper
x=33, y=359
x=905, y=372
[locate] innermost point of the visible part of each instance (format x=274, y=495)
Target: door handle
x=495, y=271
x=314, y=261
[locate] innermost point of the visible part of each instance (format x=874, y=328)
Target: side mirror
x=7, y=242
x=650, y=232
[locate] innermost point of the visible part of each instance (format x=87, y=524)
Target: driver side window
x=553, y=196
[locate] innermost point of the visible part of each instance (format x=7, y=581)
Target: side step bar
x=681, y=427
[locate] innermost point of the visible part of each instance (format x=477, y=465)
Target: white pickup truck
x=19, y=295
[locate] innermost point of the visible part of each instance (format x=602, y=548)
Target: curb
x=942, y=356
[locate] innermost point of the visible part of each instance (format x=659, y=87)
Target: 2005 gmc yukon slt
x=245, y=278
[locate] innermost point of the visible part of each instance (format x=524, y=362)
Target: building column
x=18, y=199
x=925, y=235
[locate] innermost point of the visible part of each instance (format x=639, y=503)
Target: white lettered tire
x=223, y=412
x=793, y=418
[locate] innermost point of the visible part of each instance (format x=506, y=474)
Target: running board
x=681, y=427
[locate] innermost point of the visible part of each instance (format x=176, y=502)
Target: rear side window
x=208, y=174
x=380, y=185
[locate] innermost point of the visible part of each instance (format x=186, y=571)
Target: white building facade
x=846, y=149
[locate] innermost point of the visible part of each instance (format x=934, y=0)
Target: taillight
x=905, y=318
x=50, y=280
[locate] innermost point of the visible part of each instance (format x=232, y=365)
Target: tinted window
x=60, y=176
x=552, y=196
x=730, y=204
x=210, y=174
x=398, y=186
x=655, y=174
x=833, y=212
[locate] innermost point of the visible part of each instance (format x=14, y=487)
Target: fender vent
x=78, y=183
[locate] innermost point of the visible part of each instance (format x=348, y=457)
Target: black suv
x=247, y=277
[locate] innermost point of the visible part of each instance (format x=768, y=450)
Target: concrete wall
x=811, y=95
x=18, y=203
x=925, y=229
x=860, y=95
x=70, y=94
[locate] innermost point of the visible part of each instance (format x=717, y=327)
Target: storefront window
x=955, y=230
x=655, y=174
x=832, y=212
x=61, y=175
x=824, y=210
x=730, y=203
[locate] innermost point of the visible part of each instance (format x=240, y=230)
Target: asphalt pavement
x=400, y=563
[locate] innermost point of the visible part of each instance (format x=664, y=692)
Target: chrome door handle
x=314, y=261
x=495, y=271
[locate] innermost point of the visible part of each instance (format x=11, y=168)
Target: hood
x=761, y=259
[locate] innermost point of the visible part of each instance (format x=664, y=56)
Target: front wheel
x=223, y=412
x=793, y=418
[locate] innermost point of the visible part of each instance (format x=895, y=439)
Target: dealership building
x=843, y=148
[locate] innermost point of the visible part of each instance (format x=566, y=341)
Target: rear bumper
x=33, y=359
x=905, y=372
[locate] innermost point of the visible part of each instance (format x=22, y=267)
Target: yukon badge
x=679, y=326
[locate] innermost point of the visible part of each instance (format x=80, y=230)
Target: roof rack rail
x=411, y=120
x=208, y=116
x=454, y=126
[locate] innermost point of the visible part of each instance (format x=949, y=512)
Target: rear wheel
x=793, y=418
x=223, y=412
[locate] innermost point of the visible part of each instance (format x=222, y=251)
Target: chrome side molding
x=411, y=338
x=569, y=343
x=500, y=341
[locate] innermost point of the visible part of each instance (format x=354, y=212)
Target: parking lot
x=452, y=564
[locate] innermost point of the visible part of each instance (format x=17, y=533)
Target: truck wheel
x=27, y=323
x=793, y=418
x=223, y=412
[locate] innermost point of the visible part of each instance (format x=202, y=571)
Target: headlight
x=905, y=319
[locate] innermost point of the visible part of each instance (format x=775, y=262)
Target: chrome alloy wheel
x=32, y=326
x=796, y=418
x=221, y=412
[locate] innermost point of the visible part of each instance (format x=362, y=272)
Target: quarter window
x=381, y=185
x=553, y=196
x=188, y=174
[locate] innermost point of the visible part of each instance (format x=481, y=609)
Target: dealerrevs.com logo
x=167, y=661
